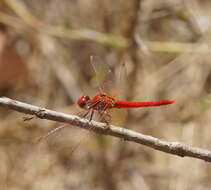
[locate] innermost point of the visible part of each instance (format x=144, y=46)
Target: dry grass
x=44, y=60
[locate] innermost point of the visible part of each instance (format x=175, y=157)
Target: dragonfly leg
x=84, y=114
x=92, y=113
x=106, y=117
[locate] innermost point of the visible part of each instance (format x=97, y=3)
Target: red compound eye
x=82, y=101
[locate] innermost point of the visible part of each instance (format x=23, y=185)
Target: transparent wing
x=120, y=92
x=121, y=81
x=103, y=75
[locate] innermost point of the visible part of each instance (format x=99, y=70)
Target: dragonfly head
x=82, y=101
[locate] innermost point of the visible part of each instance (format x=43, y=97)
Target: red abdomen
x=127, y=104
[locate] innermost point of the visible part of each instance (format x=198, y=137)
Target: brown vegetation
x=44, y=60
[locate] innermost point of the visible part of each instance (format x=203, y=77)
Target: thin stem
x=175, y=148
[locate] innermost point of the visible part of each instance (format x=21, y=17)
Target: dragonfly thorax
x=101, y=102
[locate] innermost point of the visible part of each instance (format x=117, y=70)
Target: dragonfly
x=102, y=103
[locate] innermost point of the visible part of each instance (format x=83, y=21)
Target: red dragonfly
x=103, y=102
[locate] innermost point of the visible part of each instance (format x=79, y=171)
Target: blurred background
x=45, y=49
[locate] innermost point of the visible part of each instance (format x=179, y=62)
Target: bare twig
x=175, y=148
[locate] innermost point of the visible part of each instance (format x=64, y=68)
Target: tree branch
x=175, y=148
